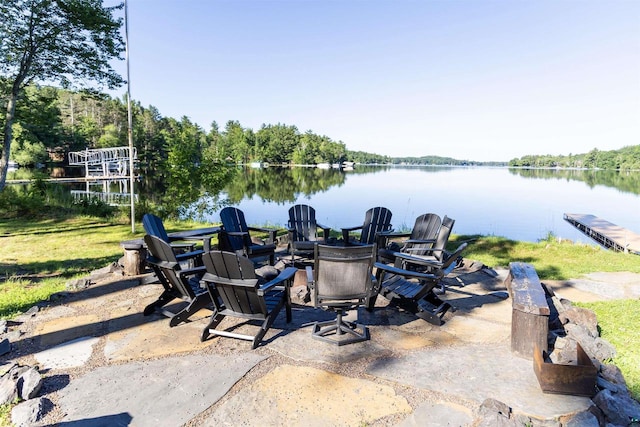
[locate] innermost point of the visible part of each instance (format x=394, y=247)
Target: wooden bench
x=530, y=310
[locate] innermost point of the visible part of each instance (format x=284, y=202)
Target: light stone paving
x=70, y=354
x=164, y=392
x=476, y=372
x=302, y=396
x=151, y=374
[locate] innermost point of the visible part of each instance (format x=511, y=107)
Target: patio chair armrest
x=237, y=233
x=189, y=255
x=272, y=232
x=351, y=228
x=205, y=239
x=325, y=230
x=160, y=263
x=192, y=271
x=419, y=241
x=406, y=273
x=182, y=245
x=391, y=233
x=286, y=274
x=418, y=260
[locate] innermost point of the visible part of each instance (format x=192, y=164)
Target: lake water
x=520, y=205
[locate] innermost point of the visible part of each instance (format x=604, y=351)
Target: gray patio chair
x=341, y=280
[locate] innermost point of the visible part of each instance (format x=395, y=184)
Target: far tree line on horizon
x=51, y=119
x=74, y=42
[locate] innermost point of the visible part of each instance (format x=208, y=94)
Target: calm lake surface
x=518, y=204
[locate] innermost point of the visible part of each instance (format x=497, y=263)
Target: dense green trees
x=53, y=41
x=626, y=158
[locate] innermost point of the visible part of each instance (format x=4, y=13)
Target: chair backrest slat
x=376, y=220
x=153, y=225
x=233, y=221
x=238, y=284
x=426, y=227
x=302, y=220
x=167, y=265
x=443, y=237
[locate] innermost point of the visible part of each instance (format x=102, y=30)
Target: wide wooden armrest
x=237, y=233
x=420, y=241
x=212, y=278
x=286, y=274
x=272, y=232
x=160, y=263
x=394, y=234
x=346, y=230
x=326, y=231
x=405, y=273
x=418, y=260
x=192, y=271
x=189, y=255
x=182, y=245
x=205, y=239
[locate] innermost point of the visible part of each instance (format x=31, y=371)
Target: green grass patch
x=552, y=260
x=40, y=256
x=618, y=321
x=5, y=415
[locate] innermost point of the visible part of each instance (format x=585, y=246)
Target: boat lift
x=105, y=167
x=103, y=163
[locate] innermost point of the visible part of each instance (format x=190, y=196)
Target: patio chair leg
x=199, y=302
x=216, y=318
x=162, y=300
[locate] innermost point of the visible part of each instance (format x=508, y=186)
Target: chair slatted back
x=376, y=220
x=235, y=283
x=343, y=273
x=426, y=227
x=233, y=221
x=302, y=220
x=167, y=267
x=443, y=237
x=153, y=225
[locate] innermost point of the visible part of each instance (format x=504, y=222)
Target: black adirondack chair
x=341, y=280
x=376, y=221
x=235, y=237
x=303, y=231
x=236, y=291
x=414, y=290
x=178, y=283
x=422, y=237
x=154, y=226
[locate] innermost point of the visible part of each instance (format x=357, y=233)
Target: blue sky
x=469, y=79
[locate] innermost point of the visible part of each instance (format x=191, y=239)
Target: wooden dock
x=607, y=234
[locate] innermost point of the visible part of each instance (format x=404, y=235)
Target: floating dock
x=607, y=234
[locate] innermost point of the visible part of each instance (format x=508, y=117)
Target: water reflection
x=111, y=192
x=483, y=200
x=625, y=181
x=521, y=204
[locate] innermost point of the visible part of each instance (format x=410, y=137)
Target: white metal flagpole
x=130, y=119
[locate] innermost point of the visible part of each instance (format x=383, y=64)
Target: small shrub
x=93, y=206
